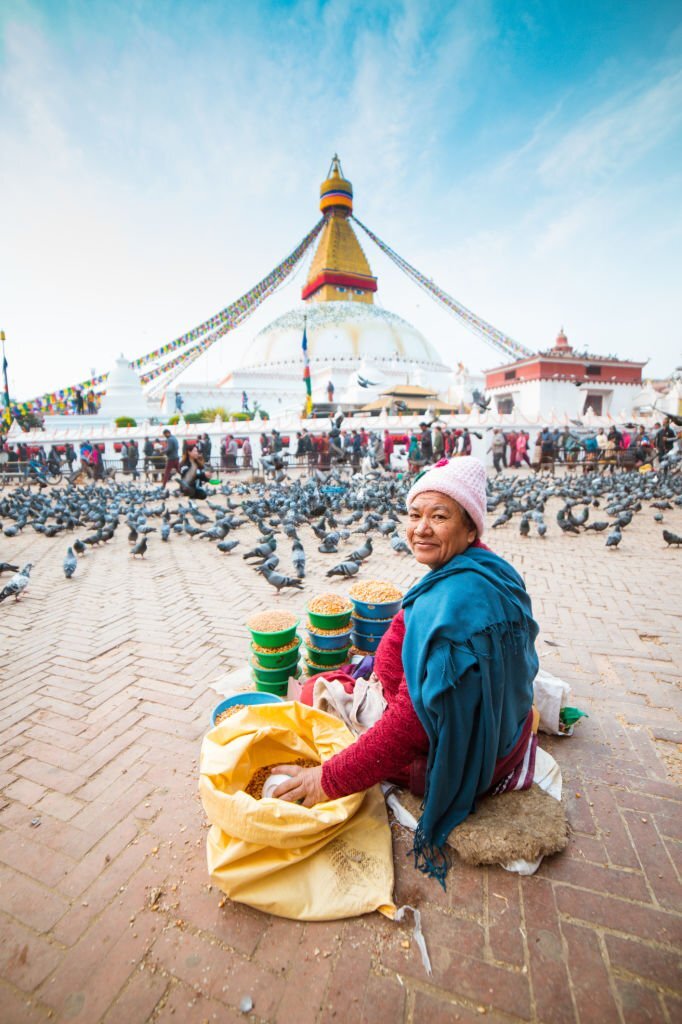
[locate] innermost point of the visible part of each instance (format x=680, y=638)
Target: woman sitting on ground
x=457, y=667
x=192, y=474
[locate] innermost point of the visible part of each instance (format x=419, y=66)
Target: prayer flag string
x=62, y=401
x=497, y=339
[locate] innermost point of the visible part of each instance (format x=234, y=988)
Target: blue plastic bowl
x=329, y=643
x=376, y=611
x=370, y=627
x=243, y=698
x=366, y=644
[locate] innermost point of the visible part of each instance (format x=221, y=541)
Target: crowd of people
x=628, y=447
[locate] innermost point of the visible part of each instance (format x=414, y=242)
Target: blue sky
x=159, y=158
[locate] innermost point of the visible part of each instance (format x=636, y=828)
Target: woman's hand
x=304, y=785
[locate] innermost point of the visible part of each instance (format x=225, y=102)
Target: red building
x=562, y=380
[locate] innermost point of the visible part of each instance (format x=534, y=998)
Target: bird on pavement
x=672, y=538
x=79, y=546
x=227, y=545
x=614, y=538
x=298, y=558
x=363, y=552
x=139, y=548
x=345, y=569
x=69, y=564
x=8, y=567
x=278, y=581
x=17, y=584
x=399, y=545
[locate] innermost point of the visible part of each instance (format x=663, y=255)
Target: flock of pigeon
x=335, y=511
x=612, y=499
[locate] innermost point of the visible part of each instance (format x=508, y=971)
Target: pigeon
x=269, y=565
x=17, y=584
x=165, y=531
x=227, y=545
x=262, y=550
x=69, y=564
x=524, y=526
x=672, y=538
x=614, y=538
x=79, y=547
x=298, y=558
x=364, y=551
x=329, y=547
x=399, y=545
x=345, y=569
x=598, y=526
x=139, y=548
x=8, y=567
x=278, y=581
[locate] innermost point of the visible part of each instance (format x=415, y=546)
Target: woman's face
x=436, y=529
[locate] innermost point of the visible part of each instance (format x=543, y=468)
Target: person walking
x=438, y=444
x=171, y=451
x=247, y=454
x=497, y=447
x=133, y=458
x=389, y=445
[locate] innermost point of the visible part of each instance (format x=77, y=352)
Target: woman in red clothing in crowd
x=457, y=667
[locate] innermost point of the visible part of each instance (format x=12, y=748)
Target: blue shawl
x=470, y=661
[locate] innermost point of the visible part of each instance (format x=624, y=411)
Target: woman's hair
x=467, y=520
x=199, y=459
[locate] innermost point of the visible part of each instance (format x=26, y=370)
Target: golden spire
x=339, y=271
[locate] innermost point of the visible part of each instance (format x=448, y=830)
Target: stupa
x=353, y=344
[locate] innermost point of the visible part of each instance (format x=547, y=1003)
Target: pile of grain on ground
x=329, y=604
x=375, y=592
x=272, y=621
x=259, y=777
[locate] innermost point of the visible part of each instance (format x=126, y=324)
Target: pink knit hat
x=462, y=478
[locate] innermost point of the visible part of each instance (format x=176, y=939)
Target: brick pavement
x=104, y=700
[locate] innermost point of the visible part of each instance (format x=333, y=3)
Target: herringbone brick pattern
x=105, y=909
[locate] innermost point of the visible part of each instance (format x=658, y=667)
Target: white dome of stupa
x=343, y=334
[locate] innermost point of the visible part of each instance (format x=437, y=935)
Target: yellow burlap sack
x=330, y=861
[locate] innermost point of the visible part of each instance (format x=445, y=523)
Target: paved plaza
x=106, y=912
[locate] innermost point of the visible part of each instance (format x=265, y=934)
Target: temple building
x=565, y=383
x=356, y=349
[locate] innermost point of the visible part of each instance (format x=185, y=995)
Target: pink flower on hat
x=463, y=479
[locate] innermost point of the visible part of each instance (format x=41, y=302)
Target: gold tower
x=339, y=271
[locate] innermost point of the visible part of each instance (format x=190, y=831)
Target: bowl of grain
x=329, y=639
x=326, y=658
x=273, y=628
x=232, y=705
x=329, y=611
x=375, y=599
x=370, y=627
x=277, y=657
x=365, y=644
x=273, y=675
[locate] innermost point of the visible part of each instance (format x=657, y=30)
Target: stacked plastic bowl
x=328, y=627
x=375, y=603
x=275, y=651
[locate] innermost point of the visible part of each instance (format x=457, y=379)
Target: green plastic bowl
x=326, y=658
x=274, y=675
x=284, y=636
x=274, y=689
x=323, y=621
x=283, y=659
